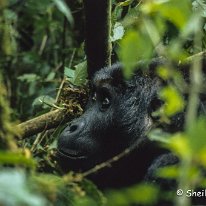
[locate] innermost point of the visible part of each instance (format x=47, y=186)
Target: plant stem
x=191, y=117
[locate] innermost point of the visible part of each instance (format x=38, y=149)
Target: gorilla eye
x=105, y=103
x=104, y=98
x=94, y=98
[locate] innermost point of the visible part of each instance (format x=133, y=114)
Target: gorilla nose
x=75, y=128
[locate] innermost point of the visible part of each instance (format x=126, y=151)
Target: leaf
x=16, y=159
x=133, y=47
x=50, y=76
x=159, y=135
x=174, y=102
x=118, y=32
x=51, y=182
x=168, y=172
x=141, y=194
x=199, y=6
x=62, y=6
x=28, y=77
x=193, y=25
x=178, y=12
x=164, y=72
x=44, y=101
x=14, y=185
x=197, y=135
x=69, y=72
x=179, y=145
x=93, y=192
x=125, y=3
x=78, y=76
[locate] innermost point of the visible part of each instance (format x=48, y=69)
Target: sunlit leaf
x=179, y=145
x=173, y=100
x=178, y=15
x=118, y=32
x=134, y=46
x=168, y=172
x=163, y=72
x=173, y=172
x=16, y=159
x=125, y=3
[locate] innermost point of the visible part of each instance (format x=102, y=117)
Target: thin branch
x=116, y=158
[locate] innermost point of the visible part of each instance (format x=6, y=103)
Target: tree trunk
x=97, y=34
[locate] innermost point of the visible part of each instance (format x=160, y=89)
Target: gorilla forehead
x=108, y=75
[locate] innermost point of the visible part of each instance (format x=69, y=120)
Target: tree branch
x=44, y=122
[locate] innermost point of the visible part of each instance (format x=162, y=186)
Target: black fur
x=117, y=116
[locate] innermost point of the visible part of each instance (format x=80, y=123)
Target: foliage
x=143, y=194
x=41, y=47
x=154, y=20
x=78, y=76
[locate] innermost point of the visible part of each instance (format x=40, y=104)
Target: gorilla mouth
x=71, y=154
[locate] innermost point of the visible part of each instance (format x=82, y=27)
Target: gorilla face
x=117, y=115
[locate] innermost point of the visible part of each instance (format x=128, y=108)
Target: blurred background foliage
x=42, y=44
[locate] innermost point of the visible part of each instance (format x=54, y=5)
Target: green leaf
x=125, y=3
x=16, y=159
x=174, y=102
x=178, y=12
x=197, y=135
x=93, y=195
x=50, y=76
x=69, y=72
x=62, y=6
x=78, y=76
x=179, y=145
x=28, y=77
x=142, y=194
x=163, y=72
x=134, y=46
x=44, y=101
x=159, y=135
x=169, y=172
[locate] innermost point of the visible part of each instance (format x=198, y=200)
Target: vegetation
x=43, y=69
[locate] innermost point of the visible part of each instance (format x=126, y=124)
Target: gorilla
x=118, y=116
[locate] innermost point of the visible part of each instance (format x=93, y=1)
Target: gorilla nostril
x=73, y=128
